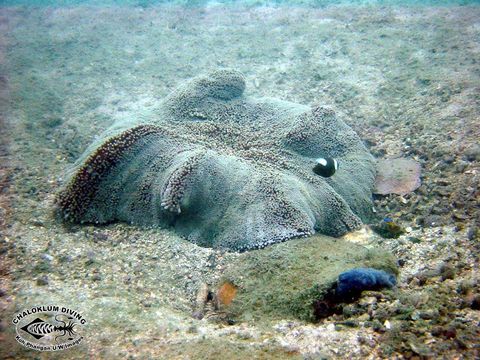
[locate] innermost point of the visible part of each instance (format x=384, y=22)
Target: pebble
x=378, y=326
x=473, y=153
x=465, y=286
x=192, y=329
x=433, y=220
x=366, y=341
x=364, y=317
x=460, y=167
x=99, y=236
x=414, y=239
x=447, y=271
x=197, y=315
x=351, y=310
x=37, y=222
x=449, y=159
x=42, y=280
x=420, y=349
x=429, y=314
x=472, y=232
x=423, y=276
x=46, y=257
x=349, y=323
x=449, y=333
x=65, y=258
x=369, y=300
x=146, y=303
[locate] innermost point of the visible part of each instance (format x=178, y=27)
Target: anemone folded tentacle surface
x=224, y=169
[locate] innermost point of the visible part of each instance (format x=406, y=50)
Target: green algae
x=283, y=281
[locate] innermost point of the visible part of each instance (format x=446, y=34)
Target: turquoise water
x=312, y=3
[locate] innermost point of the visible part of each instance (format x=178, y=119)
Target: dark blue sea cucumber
x=351, y=283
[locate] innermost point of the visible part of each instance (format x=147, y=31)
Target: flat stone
x=397, y=176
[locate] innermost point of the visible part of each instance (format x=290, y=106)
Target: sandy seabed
x=405, y=78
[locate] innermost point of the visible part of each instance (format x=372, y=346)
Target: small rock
x=377, y=326
x=146, y=303
x=448, y=159
x=42, y=267
x=472, y=232
x=397, y=176
x=89, y=262
x=42, y=280
x=414, y=239
x=136, y=342
x=460, y=167
x=197, y=315
x=465, y=286
x=388, y=229
x=447, y=271
x=475, y=304
x=423, y=276
x=90, y=258
x=472, y=153
x=369, y=300
x=348, y=311
x=99, y=236
x=65, y=258
x=46, y=257
x=415, y=315
x=37, y=222
x=449, y=333
x=363, y=317
x=429, y=314
x=349, y=323
x=226, y=293
x=433, y=220
x=365, y=341
x=192, y=329
x=420, y=349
